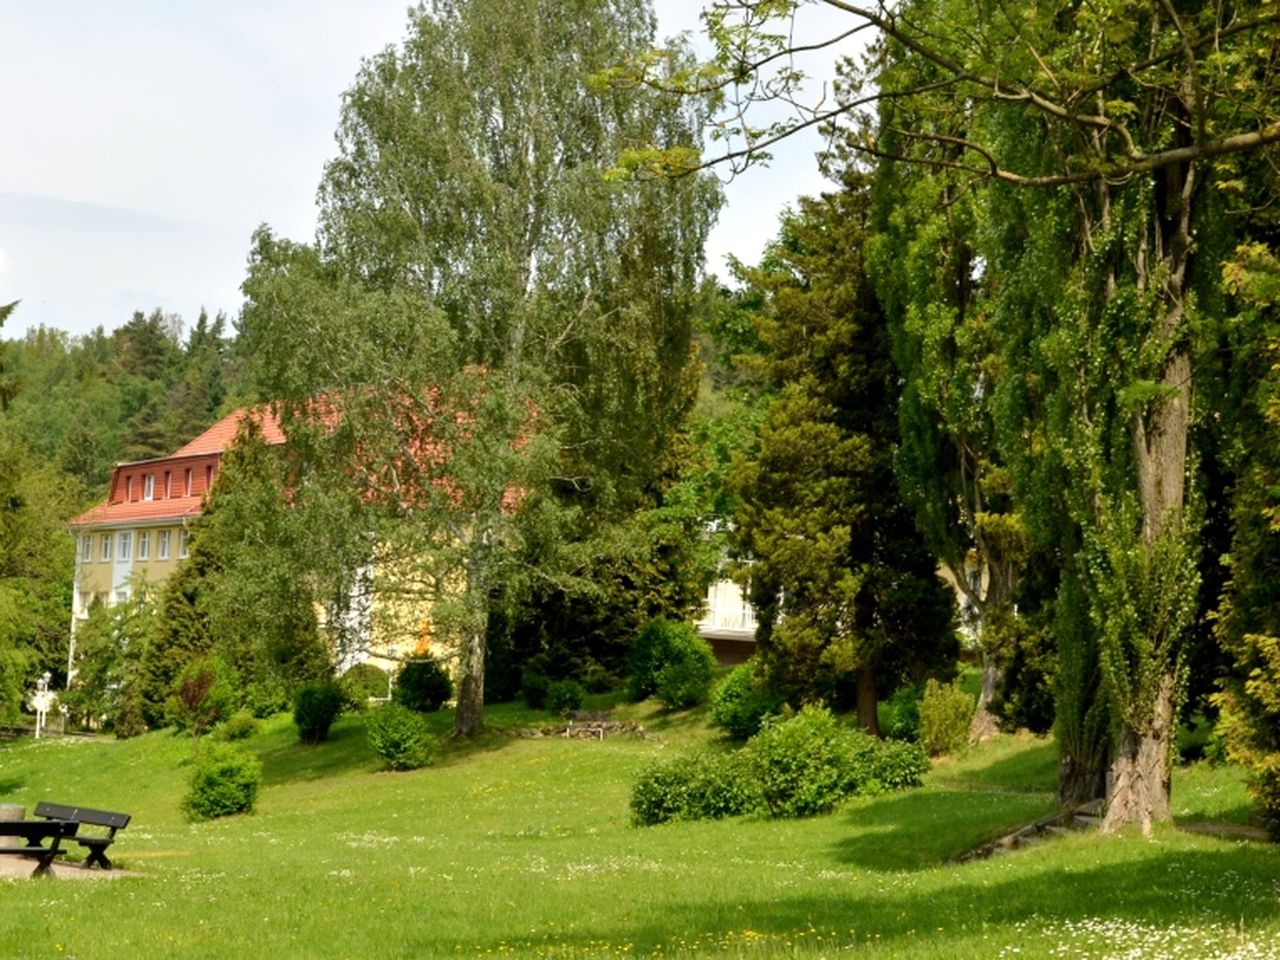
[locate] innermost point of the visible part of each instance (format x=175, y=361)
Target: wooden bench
x=35, y=833
x=96, y=843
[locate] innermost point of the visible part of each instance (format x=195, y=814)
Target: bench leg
x=97, y=855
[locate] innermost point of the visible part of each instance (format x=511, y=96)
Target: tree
x=847, y=590
x=1126, y=122
x=498, y=329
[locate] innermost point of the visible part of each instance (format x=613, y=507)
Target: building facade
x=136, y=537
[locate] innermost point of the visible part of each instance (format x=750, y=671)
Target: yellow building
x=139, y=533
x=137, y=536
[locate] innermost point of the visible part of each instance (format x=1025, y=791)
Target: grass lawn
x=519, y=847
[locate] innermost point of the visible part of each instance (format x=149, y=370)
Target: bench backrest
x=97, y=818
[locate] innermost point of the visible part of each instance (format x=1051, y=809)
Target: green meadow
x=524, y=847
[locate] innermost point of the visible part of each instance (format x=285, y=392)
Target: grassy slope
x=523, y=847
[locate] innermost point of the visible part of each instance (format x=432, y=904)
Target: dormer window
x=168, y=485
x=128, y=489
x=149, y=486
x=188, y=483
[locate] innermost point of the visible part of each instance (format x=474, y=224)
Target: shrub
x=945, y=713
x=891, y=765
x=422, y=685
x=597, y=678
x=698, y=786
x=670, y=660
x=399, y=736
x=203, y=694
x=564, y=696
x=225, y=781
x=805, y=764
x=361, y=683
x=534, y=685
x=267, y=696
x=315, y=708
x=900, y=715
x=741, y=701
x=241, y=725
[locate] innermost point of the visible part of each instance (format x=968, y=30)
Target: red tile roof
x=139, y=511
x=223, y=433
x=215, y=440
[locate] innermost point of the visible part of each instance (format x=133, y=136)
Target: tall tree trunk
x=469, y=716
x=1140, y=769
x=985, y=723
x=868, y=719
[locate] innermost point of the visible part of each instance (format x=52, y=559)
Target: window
x=122, y=595
x=86, y=547
x=106, y=547
x=149, y=487
x=168, y=484
x=162, y=545
x=128, y=489
x=144, y=544
x=126, y=545
x=208, y=478
x=188, y=486
x=184, y=541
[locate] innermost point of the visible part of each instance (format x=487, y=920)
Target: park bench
x=42, y=840
x=96, y=843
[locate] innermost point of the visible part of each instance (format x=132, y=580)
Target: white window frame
x=149, y=487
x=187, y=486
x=124, y=546
x=144, y=544
x=86, y=548
x=128, y=489
x=184, y=544
x=106, y=548
x=162, y=545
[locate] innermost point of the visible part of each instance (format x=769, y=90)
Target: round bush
x=565, y=696
x=698, y=786
x=241, y=725
x=741, y=701
x=534, y=685
x=945, y=714
x=225, y=781
x=671, y=661
x=399, y=736
x=805, y=764
x=315, y=708
x=900, y=715
x=362, y=683
x=422, y=685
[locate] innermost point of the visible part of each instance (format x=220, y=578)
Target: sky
x=144, y=141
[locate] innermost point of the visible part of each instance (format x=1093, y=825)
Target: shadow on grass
x=285, y=759
x=1027, y=770
x=916, y=829
x=10, y=785
x=1141, y=884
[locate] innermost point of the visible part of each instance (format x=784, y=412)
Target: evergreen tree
x=847, y=591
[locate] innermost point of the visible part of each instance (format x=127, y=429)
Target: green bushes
x=697, y=786
x=241, y=725
x=794, y=767
x=225, y=780
x=422, y=685
x=670, y=661
x=315, y=708
x=399, y=736
x=565, y=696
x=362, y=683
x=741, y=701
x=945, y=713
x=900, y=714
